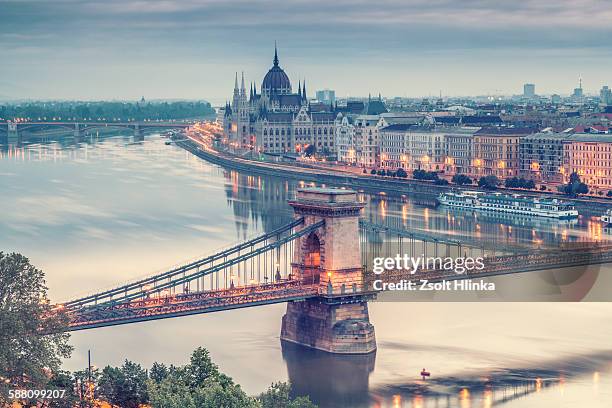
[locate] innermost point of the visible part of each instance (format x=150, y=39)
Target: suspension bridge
x=318, y=264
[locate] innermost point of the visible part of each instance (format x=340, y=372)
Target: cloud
x=143, y=43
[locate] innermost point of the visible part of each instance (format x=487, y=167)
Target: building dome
x=276, y=80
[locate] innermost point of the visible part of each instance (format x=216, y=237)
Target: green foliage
x=515, y=182
x=575, y=186
x=125, y=386
x=373, y=171
x=441, y=182
x=401, y=173
x=488, y=182
x=198, y=384
x=158, y=372
x=28, y=357
x=461, y=179
x=609, y=194
x=425, y=175
x=106, y=111
x=278, y=395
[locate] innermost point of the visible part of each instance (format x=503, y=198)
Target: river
x=108, y=210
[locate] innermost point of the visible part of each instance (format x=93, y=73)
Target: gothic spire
x=275, y=55
x=242, y=88
x=300, y=88
x=236, y=82
x=304, y=90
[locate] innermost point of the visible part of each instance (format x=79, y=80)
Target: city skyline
x=190, y=49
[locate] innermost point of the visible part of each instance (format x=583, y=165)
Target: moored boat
x=509, y=203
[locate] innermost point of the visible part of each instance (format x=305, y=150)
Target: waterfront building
x=496, y=151
x=366, y=140
x=357, y=136
x=543, y=157
x=590, y=155
x=345, y=139
x=277, y=120
x=413, y=147
x=459, y=146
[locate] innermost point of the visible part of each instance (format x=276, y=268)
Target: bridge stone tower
x=337, y=321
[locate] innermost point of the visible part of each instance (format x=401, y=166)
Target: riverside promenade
x=392, y=187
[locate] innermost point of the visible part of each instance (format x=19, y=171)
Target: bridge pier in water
x=336, y=321
x=138, y=136
x=13, y=134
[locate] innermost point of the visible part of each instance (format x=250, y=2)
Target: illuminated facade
x=496, y=151
x=590, y=155
x=276, y=120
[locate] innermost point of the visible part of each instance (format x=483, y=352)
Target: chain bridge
x=319, y=264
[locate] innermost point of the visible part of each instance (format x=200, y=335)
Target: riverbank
x=366, y=183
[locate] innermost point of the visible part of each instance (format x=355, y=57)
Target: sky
x=159, y=49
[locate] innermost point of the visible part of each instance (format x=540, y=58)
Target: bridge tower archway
x=337, y=320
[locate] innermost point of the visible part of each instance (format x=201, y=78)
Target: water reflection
x=330, y=380
x=103, y=211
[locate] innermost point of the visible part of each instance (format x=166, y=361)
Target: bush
x=424, y=175
x=461, y=179
x=609, y=193
x=575, y=186
x=488, y=182
x=515, y=182
x=441, y=182
x=372, y=172
x=401, y=173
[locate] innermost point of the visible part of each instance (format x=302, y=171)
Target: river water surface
x=106, y=211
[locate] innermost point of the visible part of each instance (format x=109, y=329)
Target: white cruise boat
x=607, y=218
x=509, y=203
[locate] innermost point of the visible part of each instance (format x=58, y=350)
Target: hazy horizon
x=165, y=49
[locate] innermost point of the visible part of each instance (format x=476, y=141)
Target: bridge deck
x=189, y=303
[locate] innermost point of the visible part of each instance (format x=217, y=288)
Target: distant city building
x=556, y=99
x=327, y=96
x=529, y=90
x=578, y=93
x=605, y=95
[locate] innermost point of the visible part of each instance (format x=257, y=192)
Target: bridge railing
x=181, y=269
x=271, y=255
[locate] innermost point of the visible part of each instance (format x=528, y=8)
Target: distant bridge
x=319, y=264
x=13, y=131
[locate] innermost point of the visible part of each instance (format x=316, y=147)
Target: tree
x=575, y=186
x=609, y=194
x=401, y=173
x=125, y=386
x=278, y=395
x=441, y=182
x=199, y=384
x=488, y=182
x=461, y=179
x=372, y=172
x=32, y=337
x=158, y=372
